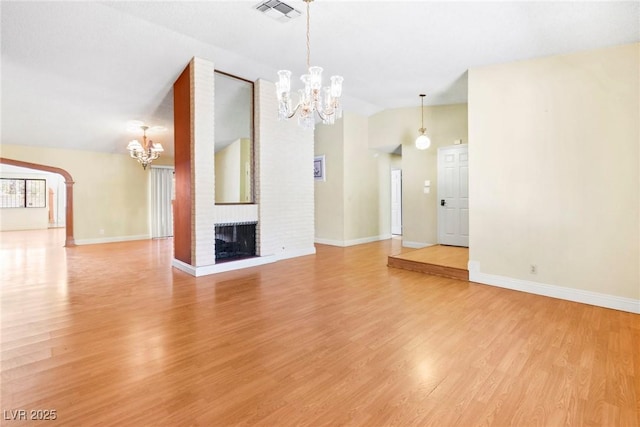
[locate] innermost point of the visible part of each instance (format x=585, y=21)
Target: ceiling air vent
x=278, y=10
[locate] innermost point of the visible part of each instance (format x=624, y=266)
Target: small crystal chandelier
x=423, y=142
x=325, y=102
x=146, y=152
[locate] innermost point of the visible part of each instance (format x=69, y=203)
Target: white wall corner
x=576, y=295
x=473, y=266
x=183, y=266
x=330, y=242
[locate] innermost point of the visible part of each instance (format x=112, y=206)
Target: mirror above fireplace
x=233, y=123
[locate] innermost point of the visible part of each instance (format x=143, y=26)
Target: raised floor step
x=439, y=260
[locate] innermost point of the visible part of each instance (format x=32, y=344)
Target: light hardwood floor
x=112, y=335
x=440, y=260
x=446, y=256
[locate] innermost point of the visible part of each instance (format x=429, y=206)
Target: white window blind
x=161, y=188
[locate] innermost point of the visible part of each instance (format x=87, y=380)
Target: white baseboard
x=576, y=295
x=329, y=242
x=416, y=245
x=221, y=268
x=345, y=243
x=240, y=264
x=112, y=239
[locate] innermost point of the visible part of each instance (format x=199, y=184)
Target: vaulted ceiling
x=73, y=73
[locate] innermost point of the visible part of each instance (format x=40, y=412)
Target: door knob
x=442, y=202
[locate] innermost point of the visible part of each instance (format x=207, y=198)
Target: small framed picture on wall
x=319, y=173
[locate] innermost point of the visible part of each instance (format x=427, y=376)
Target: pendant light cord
x=422, y=129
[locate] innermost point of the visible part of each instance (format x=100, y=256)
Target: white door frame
x=396, y=202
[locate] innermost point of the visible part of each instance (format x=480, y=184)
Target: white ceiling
x=73, y=73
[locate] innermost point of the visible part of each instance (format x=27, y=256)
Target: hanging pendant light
x=325, y=102
x=422, y=142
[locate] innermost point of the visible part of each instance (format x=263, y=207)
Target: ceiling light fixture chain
x=146, y=152
x=422, y=142
x=324, y=101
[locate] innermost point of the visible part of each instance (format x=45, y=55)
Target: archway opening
x=68, y=181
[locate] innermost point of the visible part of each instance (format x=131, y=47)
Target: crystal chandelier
x=325, y=102
x=423, y=142
x=146, y=152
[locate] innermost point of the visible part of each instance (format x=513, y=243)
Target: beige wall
x=352, y=204
x=24, y=219
x=355, y=206
x=329, y=194
x=361, y=185
x=110, y=190
x=554, y=170
x=394, y=127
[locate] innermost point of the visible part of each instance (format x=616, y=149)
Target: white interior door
x=396, y=201
x=453, y=195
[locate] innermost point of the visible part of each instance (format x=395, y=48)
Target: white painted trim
x=222, y=267
x=577, y=295
x=240, y=264
x=416, y=245
x=183, y=266
x=112, y=239
x=345, y=243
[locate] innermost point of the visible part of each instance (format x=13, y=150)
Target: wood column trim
x=68, y=180
x=182, y=228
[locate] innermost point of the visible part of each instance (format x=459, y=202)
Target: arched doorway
x=68, y=180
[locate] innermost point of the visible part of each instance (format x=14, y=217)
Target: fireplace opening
x=235, y=241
